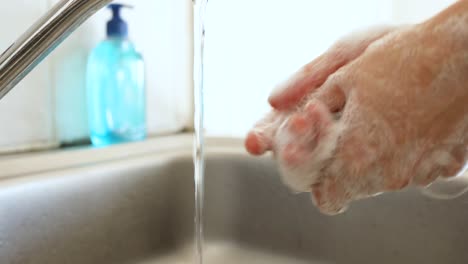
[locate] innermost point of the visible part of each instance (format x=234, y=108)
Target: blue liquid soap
x=115, y=84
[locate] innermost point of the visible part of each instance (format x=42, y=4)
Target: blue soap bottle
x=115, y=86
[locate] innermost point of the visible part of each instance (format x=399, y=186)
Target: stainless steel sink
x=138, y=208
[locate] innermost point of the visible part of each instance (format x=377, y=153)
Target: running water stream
x=199, y=8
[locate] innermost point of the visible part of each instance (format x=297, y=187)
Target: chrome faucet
x=43, y=37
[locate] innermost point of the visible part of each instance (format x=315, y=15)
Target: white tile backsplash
x=162, y=30
x=49, y=105
x=68, y=65
x=26, y=112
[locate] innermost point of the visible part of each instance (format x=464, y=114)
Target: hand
x=290, y=95
x=373, y=115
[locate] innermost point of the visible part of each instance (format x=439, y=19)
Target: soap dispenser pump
x=117, y=27
x=115, y=85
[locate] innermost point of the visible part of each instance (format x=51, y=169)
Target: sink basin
x=134, y=204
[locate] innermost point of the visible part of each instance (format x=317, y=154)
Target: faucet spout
x=43, y=37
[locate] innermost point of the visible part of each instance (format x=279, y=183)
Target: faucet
x=42, y=38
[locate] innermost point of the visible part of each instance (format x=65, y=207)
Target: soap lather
x=115, y=81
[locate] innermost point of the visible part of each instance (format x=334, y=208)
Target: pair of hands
x=381, y=109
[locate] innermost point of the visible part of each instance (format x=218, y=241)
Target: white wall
x=252, y=45
x=414, y=11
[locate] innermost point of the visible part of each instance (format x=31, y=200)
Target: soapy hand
x=379, y=111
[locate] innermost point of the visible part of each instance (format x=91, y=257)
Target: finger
x=303, y=134
x=298, y=140
x=294, y=155
x=311, y=76
x=458, y=162
x=260, y=138
x=257, y=143
x=427, y=179
x=319, y=115
x=331, y=95
x=427, y=172
x=316, y=73
x=330, y=196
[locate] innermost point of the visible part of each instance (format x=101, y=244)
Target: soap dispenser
x=115, y=86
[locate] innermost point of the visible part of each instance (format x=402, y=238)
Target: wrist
x=452, y=21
